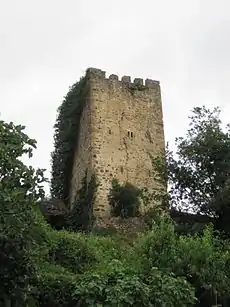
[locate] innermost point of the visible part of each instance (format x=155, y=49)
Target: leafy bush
x=71, y=251
x=54, y=287
x=124, y=199
x=116, y=285
x=202, y=260
x=119, y=286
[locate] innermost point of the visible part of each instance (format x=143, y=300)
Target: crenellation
x=95, y=72
x=113, y=77
x=151, y=83
x=126, y=79
x=138, y=81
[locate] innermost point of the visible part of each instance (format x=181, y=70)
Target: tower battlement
x=121, y=127
x=125, y=80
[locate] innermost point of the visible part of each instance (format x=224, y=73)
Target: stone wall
x=127, y=127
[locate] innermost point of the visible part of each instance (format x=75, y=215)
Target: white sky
x=45, y=46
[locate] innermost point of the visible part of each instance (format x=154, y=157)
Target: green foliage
x=203, y=260
x=81, y=214
x=108, y=248
x=66, y=138
x=118, y=286
x=22, y=231
x=43, y=267
x=104, y=231
x=156, y=203
x=54, y=287
x=71, y=251
x=199, y=173
x=115, y=286
x=124, y=199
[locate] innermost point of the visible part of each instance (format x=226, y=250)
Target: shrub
x=71, y=251
x=201, y=259
x=124, y=199
x=54, y=287
x=120, y=286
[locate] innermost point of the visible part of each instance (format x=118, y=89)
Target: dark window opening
x=110, y=132
x=130, y=134
x=122, y=169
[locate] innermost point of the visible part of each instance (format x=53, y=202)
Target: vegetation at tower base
x=124, y=199
x=66, y=132
x=43, y=267
x=81, y=215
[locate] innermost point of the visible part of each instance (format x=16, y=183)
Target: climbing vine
x=81, y=215
x=66, y=131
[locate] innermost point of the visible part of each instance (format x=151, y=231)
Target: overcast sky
x=45, y=46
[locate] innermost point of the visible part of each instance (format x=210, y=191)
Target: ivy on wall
x=66, y=132
x=81, y=215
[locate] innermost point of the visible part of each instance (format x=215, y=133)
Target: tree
x=203, y=260
x=20, y=222
x=199, y=173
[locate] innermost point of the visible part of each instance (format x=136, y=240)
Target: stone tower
x=121, y=126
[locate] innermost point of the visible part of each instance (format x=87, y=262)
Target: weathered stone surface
x=120, y=126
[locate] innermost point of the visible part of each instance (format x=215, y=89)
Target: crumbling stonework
x=121, y=126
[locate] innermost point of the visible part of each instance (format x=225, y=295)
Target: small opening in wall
x=131, y=134
x=122, y=169
x=128, y=133
x=110, y=132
